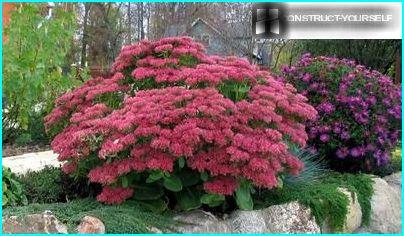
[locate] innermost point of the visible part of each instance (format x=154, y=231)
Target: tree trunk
x=141, y=29
x=87, y=7
x=129, y=25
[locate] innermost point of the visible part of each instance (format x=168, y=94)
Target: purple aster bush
x=359, y=111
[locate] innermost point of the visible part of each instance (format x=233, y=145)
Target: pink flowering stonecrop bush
x=359, y=111
x=169, y=111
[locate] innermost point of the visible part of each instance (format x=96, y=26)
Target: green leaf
x=167, y=174
x=188, y=200
x=4, y=187
x=181, y=162
x=212, y=200
x=204, y=176
x=280, y=183
x=125, y=182
x=4, y=200
x=243, y=196
x=172, y=183
x=154, y=176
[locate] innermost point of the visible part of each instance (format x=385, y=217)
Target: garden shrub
x=359, y=111
x=51, y=185
x=13, y=193
x=173, y=120
x=42, y=186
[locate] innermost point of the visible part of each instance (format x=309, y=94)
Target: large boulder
x=36, y=223
x=247, y=222
x=91, y=225
x=200, y=222
x=290, y=218
x=394, y=180
x=386, y=206
x=286, y=218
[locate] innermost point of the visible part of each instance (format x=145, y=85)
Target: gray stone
x=394, y=180
x=200, y=222
x=287, y=218
x=247, y=222
x=91, y=225
x=290, y=218
x=35, y=223
x=386, y=206
x=155, y=230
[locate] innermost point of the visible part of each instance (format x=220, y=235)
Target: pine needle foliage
x=129, y=217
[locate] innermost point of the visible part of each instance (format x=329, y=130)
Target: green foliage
x=43, y=186
x=188, y=61
x=35, y=132
x=13, y=193
x=32, y=65
x=172, y=183
x=212, y=200
x=130, y=217
x=324, y=199
x=148, y=192
x=396, y=159
x=23, y=139
x=51, y=185
x=189, y=199
x=234, y=90
x=361, y=185
x=243, y=196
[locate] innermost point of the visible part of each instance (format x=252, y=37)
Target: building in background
x=236, y=41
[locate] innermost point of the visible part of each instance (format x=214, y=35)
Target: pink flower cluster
x=153, y=128
x=83, y=97
x=142, y=61
x=114, y=195
x=221, y=185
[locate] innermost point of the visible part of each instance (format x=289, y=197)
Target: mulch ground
x=15, y=150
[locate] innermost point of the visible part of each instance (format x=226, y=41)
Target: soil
x=15, y=150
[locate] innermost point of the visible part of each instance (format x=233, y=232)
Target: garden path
x=31, y=161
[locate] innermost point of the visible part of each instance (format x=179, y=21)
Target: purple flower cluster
x=359, y=110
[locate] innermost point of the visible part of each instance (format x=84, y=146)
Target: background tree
x=34, y=55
